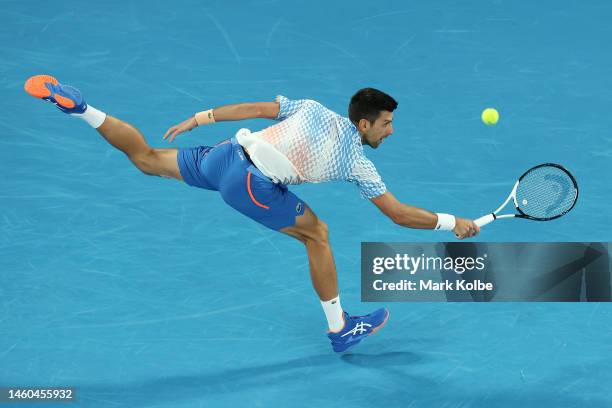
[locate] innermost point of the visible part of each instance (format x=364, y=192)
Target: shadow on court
x=383, y=360
x=400, y=372
x=286, y=375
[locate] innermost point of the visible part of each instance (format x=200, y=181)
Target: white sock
x=333, y=312
x=94, y=117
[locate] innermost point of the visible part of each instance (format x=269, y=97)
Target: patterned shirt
x=322, y=146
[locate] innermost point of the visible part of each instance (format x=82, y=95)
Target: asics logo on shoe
x=358, y=329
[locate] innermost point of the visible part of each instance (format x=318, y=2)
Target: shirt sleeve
x=288, y=106
x=367, y=179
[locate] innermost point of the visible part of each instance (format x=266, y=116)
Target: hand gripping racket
x=543, y=193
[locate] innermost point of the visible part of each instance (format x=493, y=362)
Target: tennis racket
x=543, y=193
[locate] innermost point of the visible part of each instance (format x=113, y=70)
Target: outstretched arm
x=414, y=217
x=241, y=111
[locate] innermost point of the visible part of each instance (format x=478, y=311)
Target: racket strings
x=546, y=192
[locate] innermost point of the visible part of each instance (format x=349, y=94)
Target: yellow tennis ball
x=490, y=116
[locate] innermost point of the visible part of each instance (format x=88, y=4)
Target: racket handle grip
x=482, y=221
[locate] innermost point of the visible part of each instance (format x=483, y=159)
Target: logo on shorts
x=298, y=208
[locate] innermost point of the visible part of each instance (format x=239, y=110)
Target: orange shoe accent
x=251, y=193
x=381, y=325
x=35, y=86
x=64, y=102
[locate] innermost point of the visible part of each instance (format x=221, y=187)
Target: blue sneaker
x=356, y=328
x=66, y=98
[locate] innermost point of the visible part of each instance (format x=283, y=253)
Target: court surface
x=143, y=292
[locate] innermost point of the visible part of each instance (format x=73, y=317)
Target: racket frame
x=484, y=220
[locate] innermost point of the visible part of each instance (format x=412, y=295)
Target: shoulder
x=282, y=99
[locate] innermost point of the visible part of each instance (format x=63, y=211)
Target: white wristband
x=446, y=222
x=205, y=117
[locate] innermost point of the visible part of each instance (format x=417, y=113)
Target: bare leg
x=125, y=137
x=313, y=233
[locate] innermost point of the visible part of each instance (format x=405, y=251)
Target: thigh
x=205, y=166
x=164, y=163
x=257, y=197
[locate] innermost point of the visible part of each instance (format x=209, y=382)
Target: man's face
x=373, y=134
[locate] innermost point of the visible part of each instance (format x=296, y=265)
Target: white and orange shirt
x=311, y=144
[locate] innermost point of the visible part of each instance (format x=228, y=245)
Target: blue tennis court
x=144, y=292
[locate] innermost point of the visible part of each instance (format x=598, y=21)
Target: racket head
x=545, y=192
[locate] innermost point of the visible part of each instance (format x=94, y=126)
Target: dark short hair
x=367, y=103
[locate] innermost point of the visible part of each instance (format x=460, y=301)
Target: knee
x=319, y=233
x=145, y=162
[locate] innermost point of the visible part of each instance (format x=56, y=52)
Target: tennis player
x=251, y=171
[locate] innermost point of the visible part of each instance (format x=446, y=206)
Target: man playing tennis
x=251, y=171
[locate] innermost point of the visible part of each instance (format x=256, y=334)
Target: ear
x=363, y=125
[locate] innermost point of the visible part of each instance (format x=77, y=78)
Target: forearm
x=414, y=217
x=237, y=112
x=269, y=110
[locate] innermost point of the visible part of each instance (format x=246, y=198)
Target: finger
x=168, y=132
x=174, y=135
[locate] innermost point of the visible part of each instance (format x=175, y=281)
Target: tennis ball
x=490, y=116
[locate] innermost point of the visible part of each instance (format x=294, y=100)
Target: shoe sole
x=37, y=87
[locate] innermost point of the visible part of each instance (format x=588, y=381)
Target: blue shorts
x=226, y=168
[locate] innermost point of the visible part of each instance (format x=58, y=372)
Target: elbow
x=396, y=217
x=264, y=111
x=253, y=110
x=258, y=111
